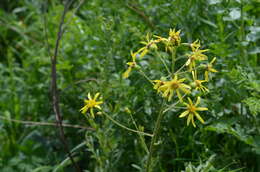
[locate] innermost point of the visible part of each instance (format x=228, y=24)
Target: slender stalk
x=144, y=75
x=141, y=136
x=243, y=53
x=34, y=123
x=141, y=14
x=155, y=135
x=173, y=58
x=164, y=63
x=55, y=94
x=177, y=72
x=126, y=128
x=154, y=139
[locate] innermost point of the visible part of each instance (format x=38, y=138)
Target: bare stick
x=55, y=94
x=33, y=123
x=141, y=14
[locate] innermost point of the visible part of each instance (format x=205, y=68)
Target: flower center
x=198, y=83
x=91, y=103
x=192, y=108
x=174, y=85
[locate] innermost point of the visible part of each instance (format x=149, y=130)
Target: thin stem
x=141, y=137
x=173, y=105
x=141, y=14
x=144, y=75
x=124, y=127
x=165, y=65
x=185, y=44
x=74, y=12
x=177, y=72
x=243, y=53
x=173, y=58
x=45, y=29
x=154, y=139
x=181, y=57
x=34, y=123
x=55, y=94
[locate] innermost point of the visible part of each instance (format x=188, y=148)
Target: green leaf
x=222, y=127
x=254, y=104
x=43, y=169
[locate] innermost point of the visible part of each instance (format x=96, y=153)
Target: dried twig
x=141, y=14
x=34, y=123
x=45, y=21
x=55, y=94
x=70, y=19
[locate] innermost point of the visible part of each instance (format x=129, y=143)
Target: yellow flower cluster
x=182, y=81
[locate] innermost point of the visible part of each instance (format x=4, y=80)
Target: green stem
x=144, y=75
x=124, y=127
x=243, y=52
x=164, y=63
x=154, y=139
x=141, y=136
x=173, y=58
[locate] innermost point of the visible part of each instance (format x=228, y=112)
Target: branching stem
x=124, y=127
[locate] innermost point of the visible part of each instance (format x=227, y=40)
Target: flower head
x=169, y=87
x=196, y=55
x=149, y=44
x=157, y=84
x=195, y=45
x=198, y=83
x=131, y=65
x=174, y=37
x=90, y=104
x=209, y=68
x=192, y=111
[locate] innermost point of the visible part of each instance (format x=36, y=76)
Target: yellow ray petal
x=96, y=96
x=199, y=117
x=89, y=96
x=183, y=114
x=192, y=121
x=198, y=101
x=201, y=108
x=189, y=118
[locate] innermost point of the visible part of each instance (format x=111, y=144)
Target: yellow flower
x=209, y=68
x=157, y=84
x=174, y=85
x=90, y=104
x=192, y=111
x=195, y=56
x=198, y=83
x=149, y=44
x=195, y=45
x=130, y=65
x=174, y=37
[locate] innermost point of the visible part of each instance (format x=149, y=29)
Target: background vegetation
x=92, y=57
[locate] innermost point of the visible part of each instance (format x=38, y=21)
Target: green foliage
x=92, y=56
x=254, y=105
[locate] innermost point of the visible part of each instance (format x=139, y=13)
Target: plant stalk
x=173, y=58
x=154, y=139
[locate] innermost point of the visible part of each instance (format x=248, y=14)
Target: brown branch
x=34, y=123
x=70, y=19
x=55, y=94
x=141, y=14
x=45, y=28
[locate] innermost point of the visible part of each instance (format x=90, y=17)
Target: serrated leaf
x=254, y=105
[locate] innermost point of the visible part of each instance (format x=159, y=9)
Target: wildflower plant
x=184, y=79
